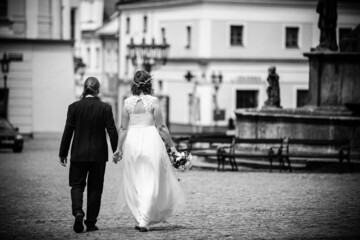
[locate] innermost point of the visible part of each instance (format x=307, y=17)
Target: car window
x=4, y=124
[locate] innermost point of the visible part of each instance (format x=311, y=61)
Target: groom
x=86, y=122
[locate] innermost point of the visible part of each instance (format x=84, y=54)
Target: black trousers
x=94, y=172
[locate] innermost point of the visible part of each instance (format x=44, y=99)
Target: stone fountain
x=333, y=108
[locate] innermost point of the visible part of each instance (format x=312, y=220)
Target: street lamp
x=4, y=93
x=216, y=81
x=152, y=55
x=5, y=64
x=194, y=103
x=188, y=76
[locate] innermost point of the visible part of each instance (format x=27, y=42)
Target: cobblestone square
x=35, y=203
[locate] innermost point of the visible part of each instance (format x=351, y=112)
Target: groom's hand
x=63, y=161
x=117, y=156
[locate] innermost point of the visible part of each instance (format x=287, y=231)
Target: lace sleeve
x=127, y=105
x=153, y=100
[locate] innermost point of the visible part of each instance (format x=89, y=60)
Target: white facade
x=42, y=84
x=108, y=35
x=99, y=49
x=244, y=67
x=91, y=18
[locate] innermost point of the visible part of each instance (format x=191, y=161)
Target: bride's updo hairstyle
x=141, y=83
x=91, y=87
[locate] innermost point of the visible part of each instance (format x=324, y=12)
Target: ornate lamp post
x=4, y=93
x=194, y=103
x=5, y=62
x=188, y=76
x=216, y=81
x=150, y=56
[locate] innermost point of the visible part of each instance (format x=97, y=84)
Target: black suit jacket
x=87, y=120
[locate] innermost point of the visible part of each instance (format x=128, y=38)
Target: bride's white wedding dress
x=149, y=187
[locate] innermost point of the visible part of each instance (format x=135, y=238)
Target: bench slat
x=210, y=140
x=318, y=142
x=259, y=141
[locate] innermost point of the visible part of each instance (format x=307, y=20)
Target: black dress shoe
x=78, y=224
x=92, y=228
x=137, y=227
x=144, y=229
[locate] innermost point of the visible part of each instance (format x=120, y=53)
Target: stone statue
x=327, y=10
x=273, y=90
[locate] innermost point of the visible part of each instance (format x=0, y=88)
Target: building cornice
x=204, y=61
x=155, y=4
x=141, y=4
x=36, y=41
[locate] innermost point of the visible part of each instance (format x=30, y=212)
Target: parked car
x=10, y=136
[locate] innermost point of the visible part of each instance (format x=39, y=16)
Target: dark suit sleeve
x=68, y=132
x=111, y=128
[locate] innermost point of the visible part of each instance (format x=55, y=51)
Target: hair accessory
x=142, y=83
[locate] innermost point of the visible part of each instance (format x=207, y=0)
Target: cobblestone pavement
x=35, y=203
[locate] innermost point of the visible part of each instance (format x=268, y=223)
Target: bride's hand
x=175, y=152
x=117, y=156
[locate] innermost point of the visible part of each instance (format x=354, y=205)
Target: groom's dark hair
x=91, y=87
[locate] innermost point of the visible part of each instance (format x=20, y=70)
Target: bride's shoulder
x=129, y=101
x=153, y=99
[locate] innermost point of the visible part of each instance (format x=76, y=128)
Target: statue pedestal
x=331, y=112
x=334, y=80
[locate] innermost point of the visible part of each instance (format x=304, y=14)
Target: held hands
x=117, y=156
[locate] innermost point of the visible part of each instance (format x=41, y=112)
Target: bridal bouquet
x=183, y=162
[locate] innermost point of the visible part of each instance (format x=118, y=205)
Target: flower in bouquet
x=182, y=162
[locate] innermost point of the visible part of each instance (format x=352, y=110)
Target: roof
x=131, y=4
x=111, y=28
x=165, y=3
x=109, y=9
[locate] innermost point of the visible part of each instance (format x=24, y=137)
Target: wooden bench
x=282, y=150
x=215, y=147
x=273, y=152
x=339, y=149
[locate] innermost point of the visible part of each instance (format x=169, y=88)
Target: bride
x=149, y=187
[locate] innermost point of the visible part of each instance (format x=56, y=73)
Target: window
x=188, y=37
x=88, y=57
x=301, y=98
x=343, y=32
x=163, y=34
x=97, y=57
x=127, y=25
x=3, y=8
x=72, y=22
x=127, y=66
x=236, y=35
x=145, y=24
x=112, y=84
x=247, y=98
x=292, y=37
